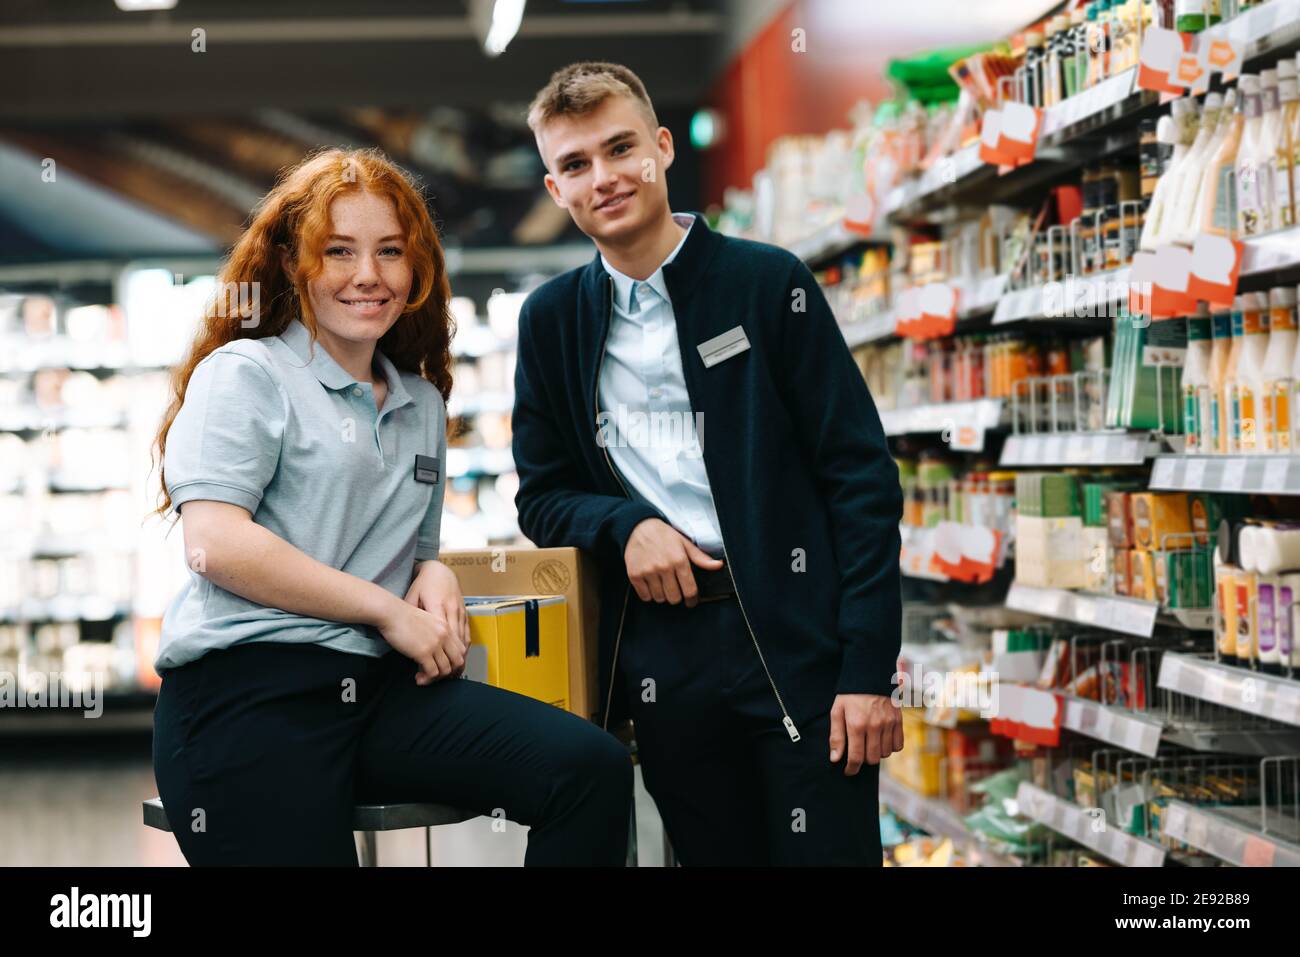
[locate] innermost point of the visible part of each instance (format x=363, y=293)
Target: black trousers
x=261, y=751
x=731, y=786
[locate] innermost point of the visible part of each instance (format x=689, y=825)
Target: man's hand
x=659, y=561
x=871, y=726
x=437, y=591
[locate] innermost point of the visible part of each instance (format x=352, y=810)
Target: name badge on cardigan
x=426, y=469
x=731, y=343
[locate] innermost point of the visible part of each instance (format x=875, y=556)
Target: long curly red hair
x=294, y=216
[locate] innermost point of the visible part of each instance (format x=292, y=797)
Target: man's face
x=607, y=168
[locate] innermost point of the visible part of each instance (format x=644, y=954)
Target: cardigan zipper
x=595, y=404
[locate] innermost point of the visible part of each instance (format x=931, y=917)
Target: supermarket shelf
x=1272, y=252
x=1079, y=448
x=980, y=414
x=1261, y=742
x=1132, y=730
x=936, y=817
x=1270, y=474
x=481, y=402
x=479, y=461
x=123, y=711
x=1130, y=616
x=1241, y=689
x=871, y=329
x=65, y=609
x=31, y=419
x=962, y=177
x=1086, y=826
x=1232, y=834
x=827, y=243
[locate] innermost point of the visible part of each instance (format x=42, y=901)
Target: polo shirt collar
x=332, y=375
x=624, y=283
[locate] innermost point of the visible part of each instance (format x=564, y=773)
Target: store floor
x=77, y=803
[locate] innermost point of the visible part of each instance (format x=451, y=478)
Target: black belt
x=714, y=585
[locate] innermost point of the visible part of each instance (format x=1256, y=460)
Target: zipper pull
x=790, y=729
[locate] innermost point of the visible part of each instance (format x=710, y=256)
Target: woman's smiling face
x=366, y=276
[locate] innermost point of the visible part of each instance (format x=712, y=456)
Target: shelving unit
x=938, y=818
x=1088, y=826
x=1233, y=834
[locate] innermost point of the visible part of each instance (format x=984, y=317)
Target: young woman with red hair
x=309, y=662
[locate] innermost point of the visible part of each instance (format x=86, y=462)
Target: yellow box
x=521, y=644
x=1158, y=514
x=544, y=571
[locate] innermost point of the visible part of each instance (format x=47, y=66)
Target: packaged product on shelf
x=1249, y=431
x=1196, y=200
x=1157, y=517
x=1177, y=201
x=1286, y=161
x=1196, y=381
x=1254, y=193
x=1219, y=188
x=1278, y=361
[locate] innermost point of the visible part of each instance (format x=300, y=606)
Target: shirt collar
x=623, y=283
x=332, y=375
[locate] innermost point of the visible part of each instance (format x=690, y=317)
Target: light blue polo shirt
x=276, y=426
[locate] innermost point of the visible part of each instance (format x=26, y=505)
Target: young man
x=686, y=409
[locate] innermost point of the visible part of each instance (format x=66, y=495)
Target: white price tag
x=1275, y=475
x=1194, y=475
x=1012, y=451
x=1076, y=449
x=1133, y=450
x=1073, y=714
x=1286, y=706
x=1215, y=688
x=1052, y=450
x=1105, y=725
x=1098, y=448
x=1234, y=475
x=1175, y=821
x=1162, y=473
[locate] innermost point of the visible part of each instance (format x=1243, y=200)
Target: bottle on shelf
x=1197, y=186
x=1031, y=91
x=1231, y=410
x=1181, y=131
x=1277, y=368
x=1252, y=429
x=1190, y=16
x=1258, y=144
x=1196, y=378
x=1215, y=437
x=1219, y=188
x=1288, y=145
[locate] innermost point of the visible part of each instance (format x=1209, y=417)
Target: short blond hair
x=581, y=87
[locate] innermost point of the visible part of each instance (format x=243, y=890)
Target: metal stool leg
x=369, y=849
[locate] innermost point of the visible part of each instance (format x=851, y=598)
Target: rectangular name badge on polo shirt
x=426, y=469
x=731, y=343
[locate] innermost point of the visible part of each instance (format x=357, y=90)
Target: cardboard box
x=1049, y=552
x=544, y=571
x=520, y=644
x=1160, y=520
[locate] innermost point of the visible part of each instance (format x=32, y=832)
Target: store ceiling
x=121, y=101
x=81, y=59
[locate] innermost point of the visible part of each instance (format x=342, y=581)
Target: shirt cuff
x=215, y=492
x=425, y=552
